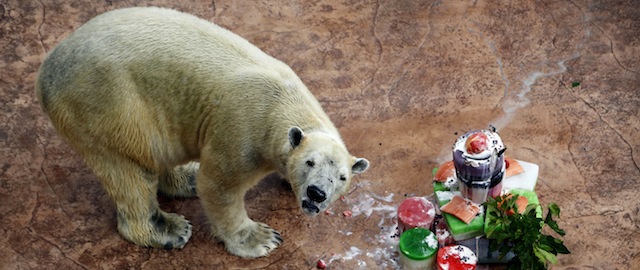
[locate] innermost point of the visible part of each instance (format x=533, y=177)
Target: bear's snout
x=311, y=208
x=316, y=194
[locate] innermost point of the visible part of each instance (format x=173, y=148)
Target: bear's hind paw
x=171, y=231
x=180, y=182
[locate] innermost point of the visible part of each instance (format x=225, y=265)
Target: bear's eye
x=310, y=163
x=343, y=178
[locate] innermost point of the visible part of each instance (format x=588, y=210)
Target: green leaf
x=544, y=256
x=490, y=232
x=557, y=245
x=552, y=223
x=522, y=235
x=562, y=249
x=554, y=209
x=547, y=248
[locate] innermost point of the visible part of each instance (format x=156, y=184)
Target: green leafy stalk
x=522, y=234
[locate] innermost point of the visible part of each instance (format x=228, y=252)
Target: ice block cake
x=525, y=181
x=458, y=228
x=478, y=158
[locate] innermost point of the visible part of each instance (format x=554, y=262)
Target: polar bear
x=156, y=100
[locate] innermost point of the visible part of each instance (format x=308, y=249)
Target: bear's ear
x=295, y=136
x=360, y=166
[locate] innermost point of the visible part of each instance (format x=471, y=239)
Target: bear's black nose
x=316, y=194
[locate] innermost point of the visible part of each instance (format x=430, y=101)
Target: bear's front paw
x=255, y=240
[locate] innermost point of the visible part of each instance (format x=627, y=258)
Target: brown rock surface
x=400, y=79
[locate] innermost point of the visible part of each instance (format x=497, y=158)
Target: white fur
x=139, y=91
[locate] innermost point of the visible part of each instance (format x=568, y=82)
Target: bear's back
x=165, y=34
x=158, y=75
x=163, y=55
x=152, y=39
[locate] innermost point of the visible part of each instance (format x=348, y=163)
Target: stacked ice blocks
x=458, y=228
x=525, y=181
x=521, y=184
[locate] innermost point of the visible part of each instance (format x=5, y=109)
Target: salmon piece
x=521, y=202
x=445, y=172
x=513, y=167
x=461, y=208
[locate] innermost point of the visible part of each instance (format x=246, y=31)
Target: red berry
x=321, y=264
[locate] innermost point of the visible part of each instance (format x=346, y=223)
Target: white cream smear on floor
x=378, y=211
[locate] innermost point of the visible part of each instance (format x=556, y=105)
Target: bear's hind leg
x=180, y=182
x=134, y=192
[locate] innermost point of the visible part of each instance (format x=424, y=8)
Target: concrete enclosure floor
x=559, y=79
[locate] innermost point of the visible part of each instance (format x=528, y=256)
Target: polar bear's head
x=320, y=169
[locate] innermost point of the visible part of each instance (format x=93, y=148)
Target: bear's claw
x=255, y=240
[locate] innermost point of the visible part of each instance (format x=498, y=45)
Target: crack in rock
x=616, y=131
x=40, y=37
x=615, y=57
x=34, y=233
x=573, y=159
x=46, y=178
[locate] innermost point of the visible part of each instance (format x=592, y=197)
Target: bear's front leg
x=223, y=201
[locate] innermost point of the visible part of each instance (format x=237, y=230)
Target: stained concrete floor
x=560, y=79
